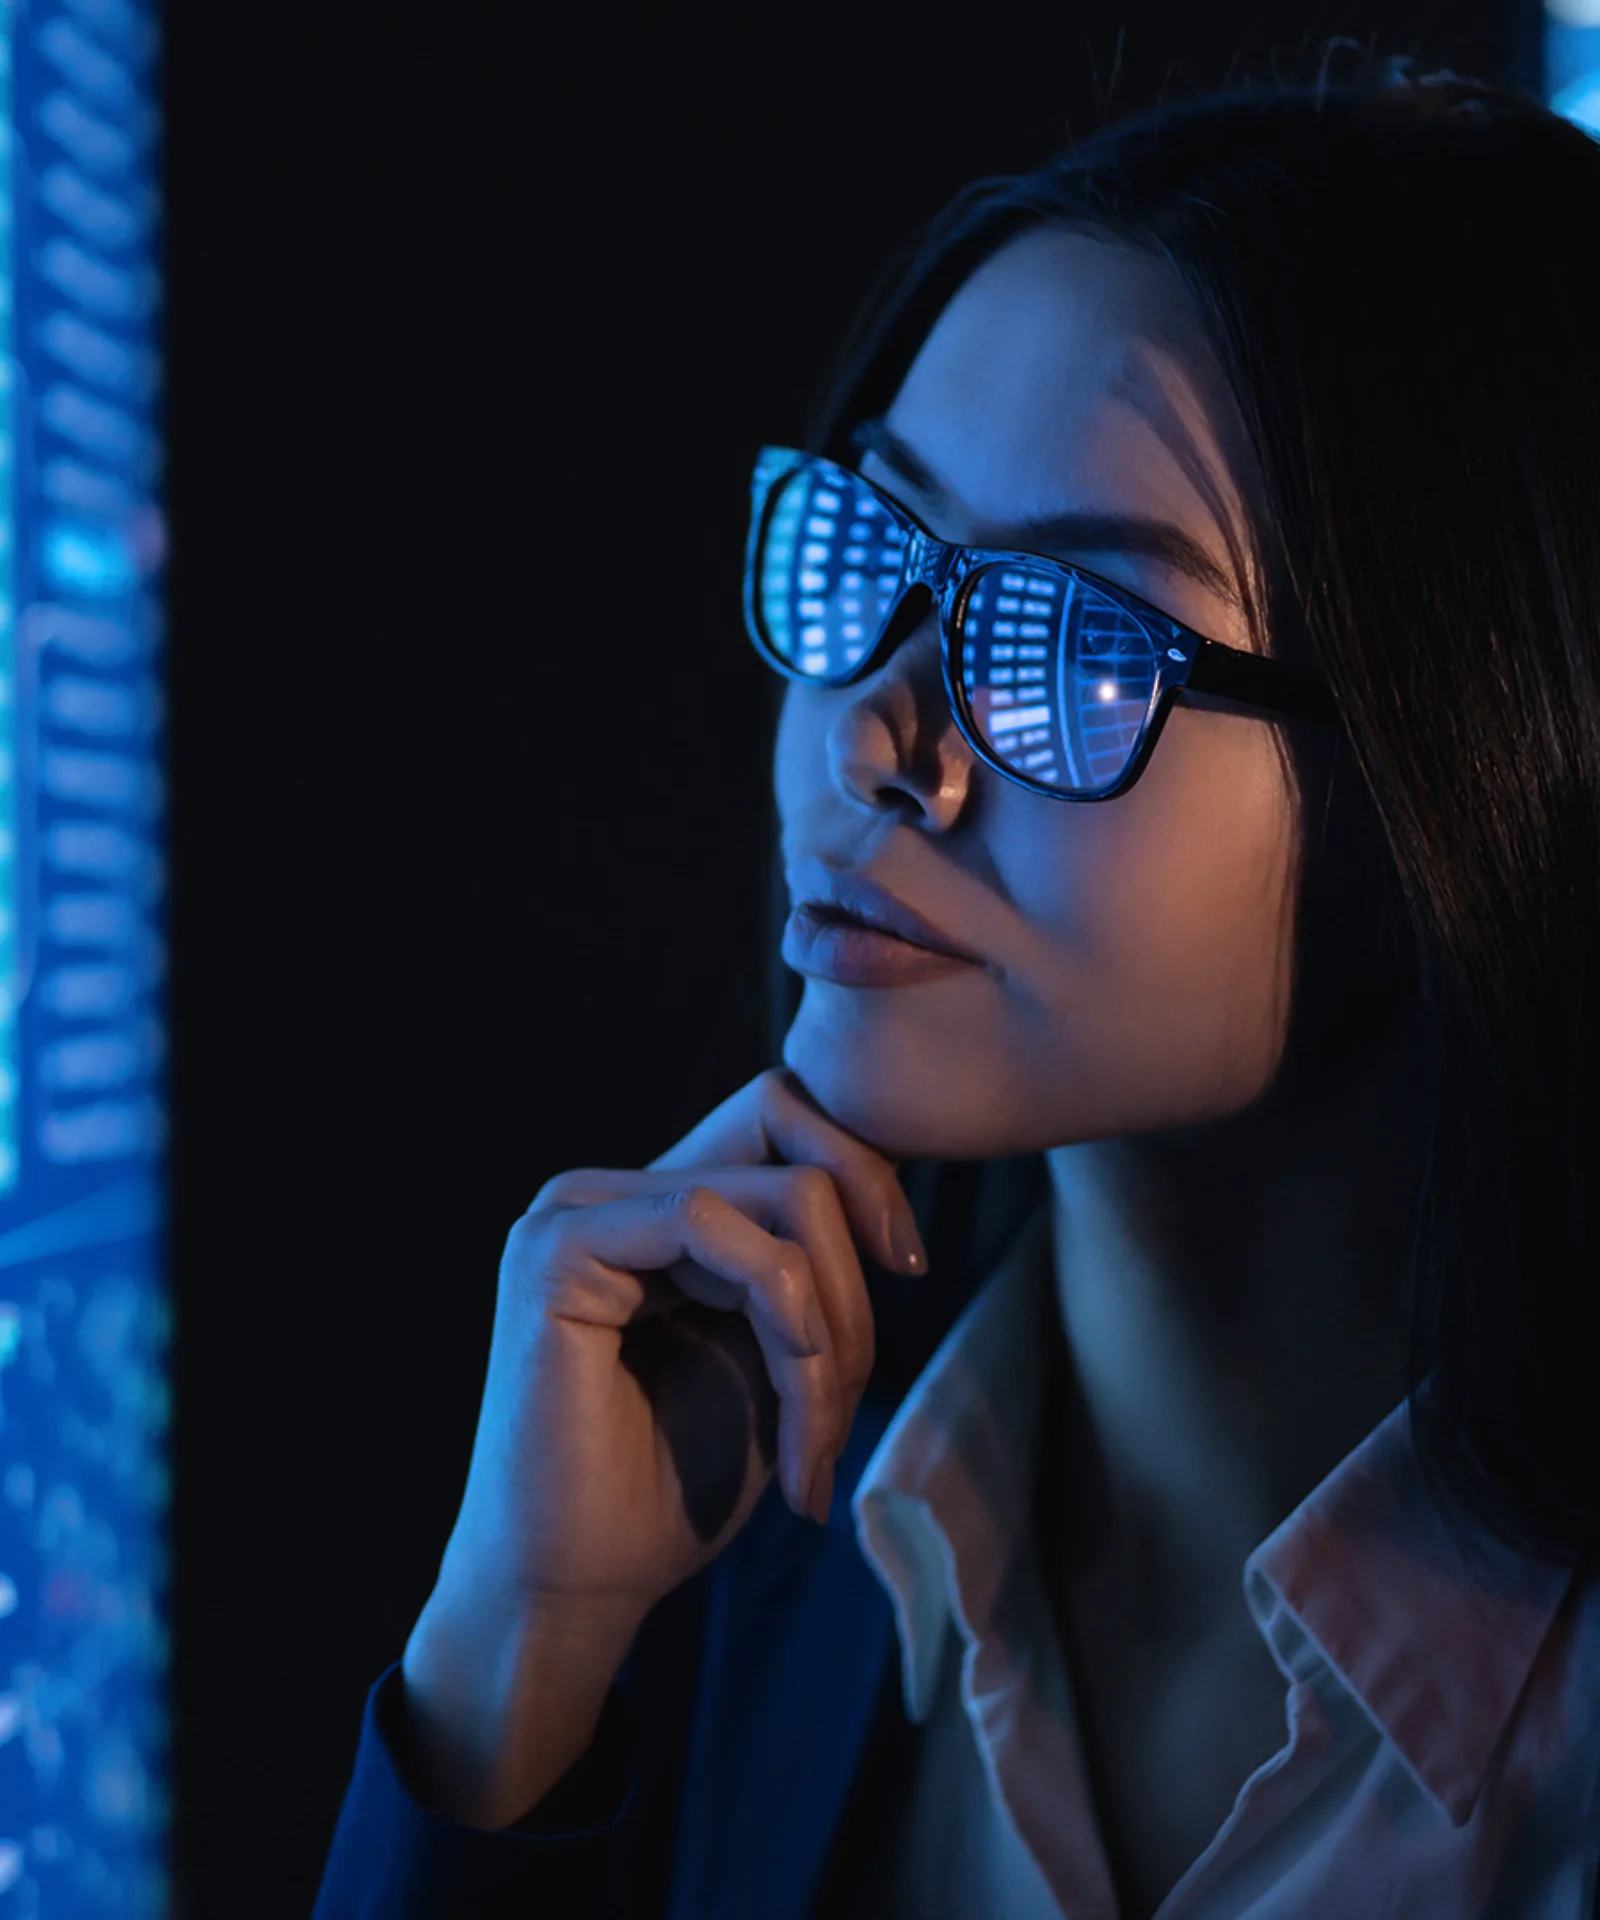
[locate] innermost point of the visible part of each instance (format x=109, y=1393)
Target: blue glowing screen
x=83, y=1413
x=1572, y=60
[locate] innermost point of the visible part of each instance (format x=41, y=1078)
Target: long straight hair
x=1395, y=274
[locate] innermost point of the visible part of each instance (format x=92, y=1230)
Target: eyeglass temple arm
x=1298, y=693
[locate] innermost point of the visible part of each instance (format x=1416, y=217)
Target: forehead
x=1069, y=372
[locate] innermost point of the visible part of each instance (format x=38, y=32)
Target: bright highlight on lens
x=1036, y=653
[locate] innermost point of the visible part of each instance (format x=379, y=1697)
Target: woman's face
x=1126, y=962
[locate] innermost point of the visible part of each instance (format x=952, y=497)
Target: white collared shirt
x=1442, y=1705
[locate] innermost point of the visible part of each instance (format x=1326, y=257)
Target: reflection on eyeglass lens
x=830, y=568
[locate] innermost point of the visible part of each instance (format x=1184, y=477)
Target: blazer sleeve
x=597, y=1845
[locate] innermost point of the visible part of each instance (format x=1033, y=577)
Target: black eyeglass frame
x=946, y=573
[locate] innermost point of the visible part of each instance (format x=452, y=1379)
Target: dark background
x=477, y=315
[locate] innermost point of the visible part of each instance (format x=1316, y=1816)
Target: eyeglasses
x=1058, y=679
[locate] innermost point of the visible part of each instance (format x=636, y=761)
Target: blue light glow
x=93, y=561
x=1579, y=101
x=1572, y=61
x=83, y=1477
x=9, y=954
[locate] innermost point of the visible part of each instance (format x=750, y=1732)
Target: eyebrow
x=1060, y=534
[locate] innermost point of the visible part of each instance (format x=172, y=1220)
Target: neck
x=1232, y=1301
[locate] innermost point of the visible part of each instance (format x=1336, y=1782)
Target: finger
x=589, y=1186
x=652, y=1232
x=803, y=1204
x=773, y=1119
x=739, y=1264
x=808, y=1395
x=800, y=1203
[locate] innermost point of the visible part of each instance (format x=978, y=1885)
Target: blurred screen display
x=1572, y=60
x=83, y=1406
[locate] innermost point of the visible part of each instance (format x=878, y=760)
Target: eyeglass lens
x=1058, y=677
x=830, y=570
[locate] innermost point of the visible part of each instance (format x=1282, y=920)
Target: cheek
x=1141, y=952
x=1162, y=924
x=800, y=752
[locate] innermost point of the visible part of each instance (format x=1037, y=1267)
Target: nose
x=893, y=742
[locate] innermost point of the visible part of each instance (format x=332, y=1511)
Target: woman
x=1189, y=773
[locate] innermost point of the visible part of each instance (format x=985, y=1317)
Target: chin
x=923, y=1075
x=913, y=1087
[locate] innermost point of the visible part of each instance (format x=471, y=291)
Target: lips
x=854, y=932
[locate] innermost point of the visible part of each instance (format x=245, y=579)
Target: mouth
x=855, y=933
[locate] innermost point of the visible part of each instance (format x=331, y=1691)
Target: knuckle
x=528, y=1246
x=772, y=1084
x=585, y=1187
x=789, y=1284
x=791, y=1269
x=811, y=1189
x=524, y=1233
x=557, y=1234
x=692, y=1206
x=563, y=1259
x=560, y=1191
x=772, y=1095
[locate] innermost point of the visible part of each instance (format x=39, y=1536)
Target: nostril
x=894, y=796
x=892, y=743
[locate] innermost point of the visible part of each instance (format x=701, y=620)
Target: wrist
x=503, y=1695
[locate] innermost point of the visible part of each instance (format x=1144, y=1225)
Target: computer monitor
x=83, y=1395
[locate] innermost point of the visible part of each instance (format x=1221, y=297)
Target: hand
x=662, y=1341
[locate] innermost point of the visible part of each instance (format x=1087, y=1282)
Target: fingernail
x=821, y=1501
x=906, y=1243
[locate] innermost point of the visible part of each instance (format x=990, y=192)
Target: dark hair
x=1394, y=273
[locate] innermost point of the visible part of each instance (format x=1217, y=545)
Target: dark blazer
x=746, y=1763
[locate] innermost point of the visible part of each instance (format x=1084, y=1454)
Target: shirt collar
x=942, y=1507
x=1431, y=1623
x=1429, y=1620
